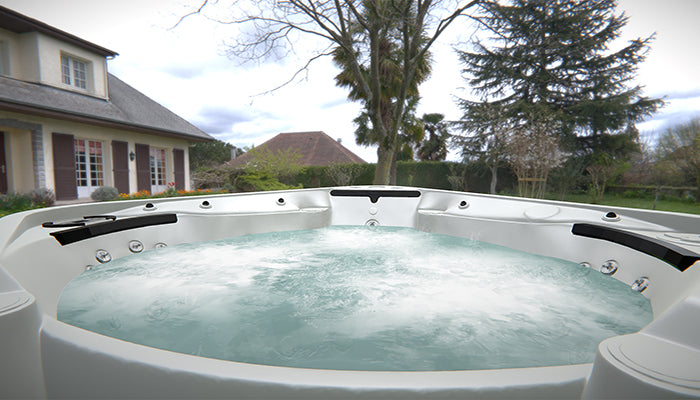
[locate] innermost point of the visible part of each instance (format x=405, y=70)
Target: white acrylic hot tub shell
x=44, y=357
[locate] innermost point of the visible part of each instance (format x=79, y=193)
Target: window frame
x=158, y=165
x=74, y=72
x=89, y=165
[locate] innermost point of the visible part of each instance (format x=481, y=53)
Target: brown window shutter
x=179, y=168
x=64, y=166
x=3, y=165
x=120, y=163
x=143, y=167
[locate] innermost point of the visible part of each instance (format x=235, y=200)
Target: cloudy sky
x=186, y=69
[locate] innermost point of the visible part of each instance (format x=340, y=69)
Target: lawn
x=648, y=204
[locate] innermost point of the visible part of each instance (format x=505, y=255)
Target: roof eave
x=31, y=24
x=92, y=120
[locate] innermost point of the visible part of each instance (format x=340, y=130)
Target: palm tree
x=434, y=148
x=411, y=133
x=392, y=106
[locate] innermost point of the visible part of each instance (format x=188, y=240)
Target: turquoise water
x=356, y=298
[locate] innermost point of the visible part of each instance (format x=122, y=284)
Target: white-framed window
x=158, y=179
x=89, y=166
x=73, y=72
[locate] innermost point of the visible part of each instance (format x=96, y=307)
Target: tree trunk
x=392, y=175
x=382, y=173
x=494, y=177
x=386, y=154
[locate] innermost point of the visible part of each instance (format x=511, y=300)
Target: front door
x=3, y=165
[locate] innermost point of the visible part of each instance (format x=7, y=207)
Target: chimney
x=339, y=140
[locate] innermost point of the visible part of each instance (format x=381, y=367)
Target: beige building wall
x=50, y=51
x=34, y=57
x=21, y=55
x=21, y=170
x=10, y=53
x=19, y=161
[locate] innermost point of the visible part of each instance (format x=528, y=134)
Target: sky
x=186, y=69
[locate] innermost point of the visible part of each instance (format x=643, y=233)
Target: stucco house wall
x=43, y=117
x=20, y=159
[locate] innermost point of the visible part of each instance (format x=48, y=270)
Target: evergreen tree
x=210, y=154
x=550, y=60
x=488, y=134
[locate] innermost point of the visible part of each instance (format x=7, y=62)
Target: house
x=314, y=148
x=68, y=125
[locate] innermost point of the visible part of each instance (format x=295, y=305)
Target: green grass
x=648, y=204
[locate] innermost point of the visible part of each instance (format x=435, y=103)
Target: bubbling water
x=356, y=298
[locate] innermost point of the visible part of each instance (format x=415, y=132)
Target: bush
x=229, y=187
x=15, y=202
x=343, y=174
x=260, y=181
x=105, y=193
x=634, y=194
x=212, y=178
x=688, y=197
x=42, y=197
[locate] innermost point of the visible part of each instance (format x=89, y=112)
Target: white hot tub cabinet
x=42, y=250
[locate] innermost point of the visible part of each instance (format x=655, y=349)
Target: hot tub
x=43, y=250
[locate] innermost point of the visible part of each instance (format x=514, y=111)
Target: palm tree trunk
x=386, y=154
x=392, y=174
x=382, y=173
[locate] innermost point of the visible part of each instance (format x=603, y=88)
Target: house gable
x=32, y=51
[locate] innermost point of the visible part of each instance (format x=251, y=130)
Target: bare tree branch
x=305, y=68
x=382, y=43
x=198, y=11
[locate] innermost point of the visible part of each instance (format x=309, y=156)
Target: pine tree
x=550, y=60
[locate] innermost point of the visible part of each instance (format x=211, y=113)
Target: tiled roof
x=315, y=148
x=127, y=108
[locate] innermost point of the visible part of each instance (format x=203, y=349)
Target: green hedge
x=446, y=175
x=427, y=174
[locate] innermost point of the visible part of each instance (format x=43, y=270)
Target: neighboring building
x=314, y=148
x=68, y=125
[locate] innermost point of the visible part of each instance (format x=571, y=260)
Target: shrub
x=260, y=181
x=632, y=194
x=211, y=178
x=229, y=187
x=170, y=192
x=280, y=164
x=42, y=197
x=688, y=197
x=15, y=202
x=343, y=174
x=105, y=193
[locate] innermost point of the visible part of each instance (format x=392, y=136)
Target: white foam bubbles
x=373, y=298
